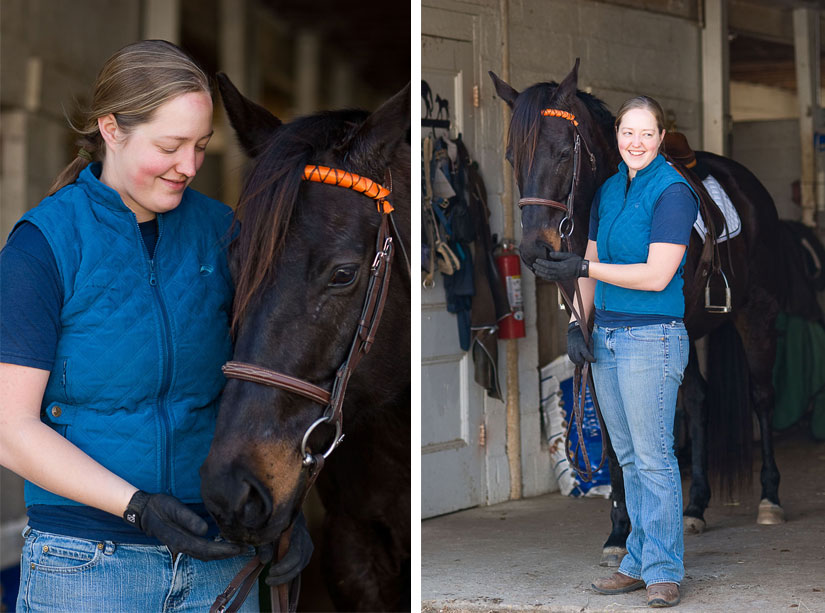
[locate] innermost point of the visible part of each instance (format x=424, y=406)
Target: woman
x=110, y=359
x=640, y=226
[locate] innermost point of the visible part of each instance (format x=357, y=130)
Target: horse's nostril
x=547, y=247
x=254, y=505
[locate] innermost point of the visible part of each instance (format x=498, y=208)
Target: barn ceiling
x=374, y=34
x=763, y=62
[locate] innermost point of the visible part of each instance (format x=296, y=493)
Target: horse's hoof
x=694, y=525
x=612, y=556
x=770, y=513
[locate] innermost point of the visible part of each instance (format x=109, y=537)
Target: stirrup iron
x=717, y=308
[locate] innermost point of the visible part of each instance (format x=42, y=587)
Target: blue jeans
x=63, y=573
x=637, y=374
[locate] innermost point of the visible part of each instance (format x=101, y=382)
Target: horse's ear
x=567, y=88
x=379, y=135
x=253, y=124
x=504, y=91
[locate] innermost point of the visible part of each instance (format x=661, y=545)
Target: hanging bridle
x=332, y=400
x=581, y=373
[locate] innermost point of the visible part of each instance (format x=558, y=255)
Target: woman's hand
x=175, y=525
x=561, y=266
x=297, y=556
x=578, y=350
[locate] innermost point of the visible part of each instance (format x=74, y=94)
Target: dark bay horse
x=541, y=151
x=302, y=265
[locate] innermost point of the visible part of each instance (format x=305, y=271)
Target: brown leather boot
x=663, y=595
x=617, y=583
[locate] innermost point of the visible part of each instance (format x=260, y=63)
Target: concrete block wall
x=50, y=52
x=770, y=150
x=624, y=52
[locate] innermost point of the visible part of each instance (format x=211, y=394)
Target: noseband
x=567, y=224
x=367, y=325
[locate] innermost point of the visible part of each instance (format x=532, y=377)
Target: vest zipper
x=610, y=229
x=166, y=357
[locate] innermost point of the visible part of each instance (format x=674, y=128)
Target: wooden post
x=231, y=60
x=806, y=48
x=512, y=404
x=307, y=71
x=715, y=78
x=161, y=19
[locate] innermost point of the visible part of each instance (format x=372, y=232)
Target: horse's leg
x=693, y=400
x=756, y=325
x=615, y=547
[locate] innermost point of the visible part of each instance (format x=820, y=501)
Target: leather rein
x=332, y=400
x=581, y=374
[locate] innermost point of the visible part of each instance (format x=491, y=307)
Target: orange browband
x=563, y=114
x=342, y=178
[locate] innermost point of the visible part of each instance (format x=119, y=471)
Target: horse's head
x=301, y=265
x=547, y=119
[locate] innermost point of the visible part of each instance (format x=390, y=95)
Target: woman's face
x=639, y=139
x=152, y=165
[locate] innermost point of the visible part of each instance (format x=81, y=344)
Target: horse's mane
x=271, y=191
x=524, y=133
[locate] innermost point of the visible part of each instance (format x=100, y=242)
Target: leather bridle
x=567, y=224
x=582, y=374
x=332, y=400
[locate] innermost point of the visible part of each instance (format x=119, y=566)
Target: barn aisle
x=540, y=554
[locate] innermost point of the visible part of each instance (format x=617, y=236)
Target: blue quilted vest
x=137, y=372
x=624, y=237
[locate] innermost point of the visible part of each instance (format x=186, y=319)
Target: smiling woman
x=640, y=224
x=111, y=359
x=151, y=164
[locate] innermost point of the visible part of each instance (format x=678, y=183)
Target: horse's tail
x=730, y=422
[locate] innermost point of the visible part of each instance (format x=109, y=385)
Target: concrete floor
x=541, y=554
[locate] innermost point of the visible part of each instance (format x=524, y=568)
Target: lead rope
x=581, y=374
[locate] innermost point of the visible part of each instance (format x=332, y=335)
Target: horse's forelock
x=271, y=191
x=524, y=126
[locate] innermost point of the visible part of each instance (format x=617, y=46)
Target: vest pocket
x=65, y=364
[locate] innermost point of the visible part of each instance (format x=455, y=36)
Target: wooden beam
x=806, y=47
x=161, y=19
x=715, y=69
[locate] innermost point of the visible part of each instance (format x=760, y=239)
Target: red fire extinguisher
x=508, y=263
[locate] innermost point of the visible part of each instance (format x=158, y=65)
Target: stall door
x=452, y=458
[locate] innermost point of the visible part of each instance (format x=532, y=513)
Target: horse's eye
x=343, y=276
x=564, y=154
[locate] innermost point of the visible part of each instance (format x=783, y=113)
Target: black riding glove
x=577, y=350
x=297, y=556
x=561, y=266
x=175, y=525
